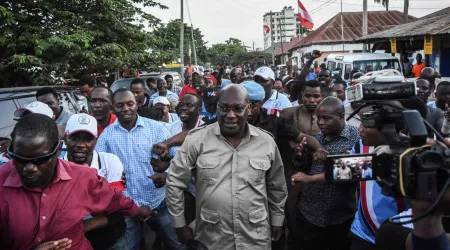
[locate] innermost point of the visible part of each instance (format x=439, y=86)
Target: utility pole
x=281, y=33
x=193, y=43
x=405, y=11
x=253, y=45
x=182, y=40
x=364, y=24
x=342, y=28
x=271, y=37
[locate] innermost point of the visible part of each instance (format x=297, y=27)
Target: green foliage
x=252, y=58
x=45, y=39
x=167, y=43
x=231, y=47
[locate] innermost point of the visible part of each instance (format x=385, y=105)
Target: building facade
x=284, y=25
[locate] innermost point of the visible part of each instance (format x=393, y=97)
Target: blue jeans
x=160, y=224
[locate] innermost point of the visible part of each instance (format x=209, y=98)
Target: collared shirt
x=187, y=89
x=176, y=128
x=432, y=104
x=356, y=120
x=176, y=89
x=325, y=204
x=240, y=191
x=303, y=120
x=276, y=103
x=205, y=112
x=168, y=95
x=134, y=149
x=173, y=118
x=100, y=128
x=57, y=212
x=435, y=117
x=63, y=117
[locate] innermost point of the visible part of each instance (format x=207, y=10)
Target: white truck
x=361, y=61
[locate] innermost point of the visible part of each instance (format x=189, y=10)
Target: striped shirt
x=134, y=149
x=374, y=208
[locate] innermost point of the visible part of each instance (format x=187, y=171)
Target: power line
x=327, y=2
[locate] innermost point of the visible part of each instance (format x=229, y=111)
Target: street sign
x=393, y=45
x=428, y=45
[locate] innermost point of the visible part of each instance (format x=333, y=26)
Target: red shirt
x=29, y=217
x=187, y=89
x=100, y=128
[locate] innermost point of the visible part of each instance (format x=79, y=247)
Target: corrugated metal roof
x=330, y=32
x=433, y=24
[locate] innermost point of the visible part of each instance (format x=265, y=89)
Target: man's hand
x=4, y=145
x=55, y=245
x=320, y=155
x=161, y=149
x=145, y=213
x=159, y=179
x=316, y=54
x=301, y=178
x=159, y=165
x=277, y=232
x=124, y=179
x=184, y=234
x=297, y=147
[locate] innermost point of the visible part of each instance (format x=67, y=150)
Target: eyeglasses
x=236, y=110
x=36, y=160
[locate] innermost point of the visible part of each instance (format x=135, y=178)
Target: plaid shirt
x=134, y=149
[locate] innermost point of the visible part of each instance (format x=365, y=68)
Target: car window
x=25, y=101
x=348, y=69
x=377, y=64
x=331, y=65
x=7, y=114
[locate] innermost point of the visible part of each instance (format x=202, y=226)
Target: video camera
x=406, y=167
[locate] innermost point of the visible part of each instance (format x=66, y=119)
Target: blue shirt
x=374, y=208
x=206, y=113
x=432, y=104
x=311, y=76
x=134, y=149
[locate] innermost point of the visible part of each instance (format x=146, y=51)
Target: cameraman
x=373, y=207
x=427, y=233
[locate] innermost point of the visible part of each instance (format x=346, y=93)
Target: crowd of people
x=222, y=163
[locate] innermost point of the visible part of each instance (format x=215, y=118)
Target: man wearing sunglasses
x=51, y=196
x=240, y=188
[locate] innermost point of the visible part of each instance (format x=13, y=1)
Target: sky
x=243, y=19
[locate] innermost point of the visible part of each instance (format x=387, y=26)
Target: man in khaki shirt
x=240, y=188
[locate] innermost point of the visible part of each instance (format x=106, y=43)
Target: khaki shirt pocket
x=207, y=170
x=258, y=219
x=257, y=171
x=210, y=224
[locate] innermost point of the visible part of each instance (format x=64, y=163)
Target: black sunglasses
x=36, y=160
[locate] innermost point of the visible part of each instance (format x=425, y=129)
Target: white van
x=359, y=61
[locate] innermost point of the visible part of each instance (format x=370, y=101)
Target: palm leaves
x=384, y=2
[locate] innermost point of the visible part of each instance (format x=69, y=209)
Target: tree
x=45, y=39
x=167, y=43
x=384, y=2
x=231, y=47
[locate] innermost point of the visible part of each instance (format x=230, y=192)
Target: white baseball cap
x=265, y=72
x=162, y=100
x=81, y=122
x=36, y=108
